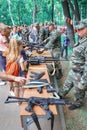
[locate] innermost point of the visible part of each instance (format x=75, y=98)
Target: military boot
x=60, y=74
x=75, y=105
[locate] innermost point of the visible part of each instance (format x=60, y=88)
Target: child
x=14, y=55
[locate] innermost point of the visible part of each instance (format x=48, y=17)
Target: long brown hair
x=14, y=50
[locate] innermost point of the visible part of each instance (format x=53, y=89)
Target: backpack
x=12, y=68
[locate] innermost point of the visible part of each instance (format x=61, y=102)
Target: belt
x=76, y=70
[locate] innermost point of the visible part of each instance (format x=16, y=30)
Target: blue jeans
x=64, y=50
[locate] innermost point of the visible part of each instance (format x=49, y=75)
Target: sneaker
x=2, y=83
x=12, y=93
x=73, y=107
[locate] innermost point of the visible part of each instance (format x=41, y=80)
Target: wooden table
x=26, y=116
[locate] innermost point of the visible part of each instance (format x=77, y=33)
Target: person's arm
x=7, y=77
x=83, y=83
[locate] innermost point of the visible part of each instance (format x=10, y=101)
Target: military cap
x=36, y=24
x=50, y=24
x=82, y=24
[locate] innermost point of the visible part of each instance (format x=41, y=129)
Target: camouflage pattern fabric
x=54, y=40
x=54, y=44
x=77, y=76
x=73, y=80
x=56, y=53
x=43, y=34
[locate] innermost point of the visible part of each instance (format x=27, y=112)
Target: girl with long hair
x=14, y=55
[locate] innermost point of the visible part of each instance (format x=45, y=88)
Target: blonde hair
x=14, y=50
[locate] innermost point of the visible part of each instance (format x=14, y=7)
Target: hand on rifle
x=45, y=41
x=21, y=80
x=40, y=50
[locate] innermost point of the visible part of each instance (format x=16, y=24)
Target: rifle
x=35, y=60
x=33, y=45
x=38, y=101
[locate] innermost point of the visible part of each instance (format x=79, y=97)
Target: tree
x=52, y=10
x=10, y=12
x=70, y=30
x=75, y=9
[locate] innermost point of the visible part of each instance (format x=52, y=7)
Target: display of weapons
x=43, y=103
x=36, y=75
x=33, y=45
x=39, y=84
x=36, y=60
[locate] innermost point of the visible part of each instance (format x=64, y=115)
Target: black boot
x=73, y=107
x=60, y=75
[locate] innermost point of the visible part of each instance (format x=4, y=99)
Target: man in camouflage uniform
x=53, y=43
x=43, y=33
x=77, y=76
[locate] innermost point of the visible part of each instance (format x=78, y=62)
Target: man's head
x=36, y=25
x=5, y=30
x=51, y=26
x=82, y=28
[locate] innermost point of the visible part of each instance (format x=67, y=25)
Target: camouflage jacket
x=43, y=34
x=79, y=60
x=54, y=40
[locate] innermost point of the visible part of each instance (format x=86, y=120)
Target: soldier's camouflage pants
x=56, y=54
x=73, y=79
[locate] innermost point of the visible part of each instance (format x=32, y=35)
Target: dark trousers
x=64, y=51
x=2, y=62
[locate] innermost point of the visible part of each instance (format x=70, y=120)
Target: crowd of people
x=13, y=48
x=13, y=41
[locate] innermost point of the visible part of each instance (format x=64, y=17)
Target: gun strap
x=35, y=119
x=52, y=121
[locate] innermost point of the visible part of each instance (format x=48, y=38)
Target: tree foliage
x=22, y=11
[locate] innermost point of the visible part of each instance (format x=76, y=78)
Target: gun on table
x=35, y=60
x=36, y=75
x=33, y=45
x=43, y=103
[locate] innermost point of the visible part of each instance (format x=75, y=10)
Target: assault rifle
x=35, y=60
x=38, y=101
x=33, y=45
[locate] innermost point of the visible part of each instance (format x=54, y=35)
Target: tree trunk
x=70, y=30
x=77, y=14
x=34, y=11
x=10, y=12
x=52, y=10
x=19, y=19
x=75, y=9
